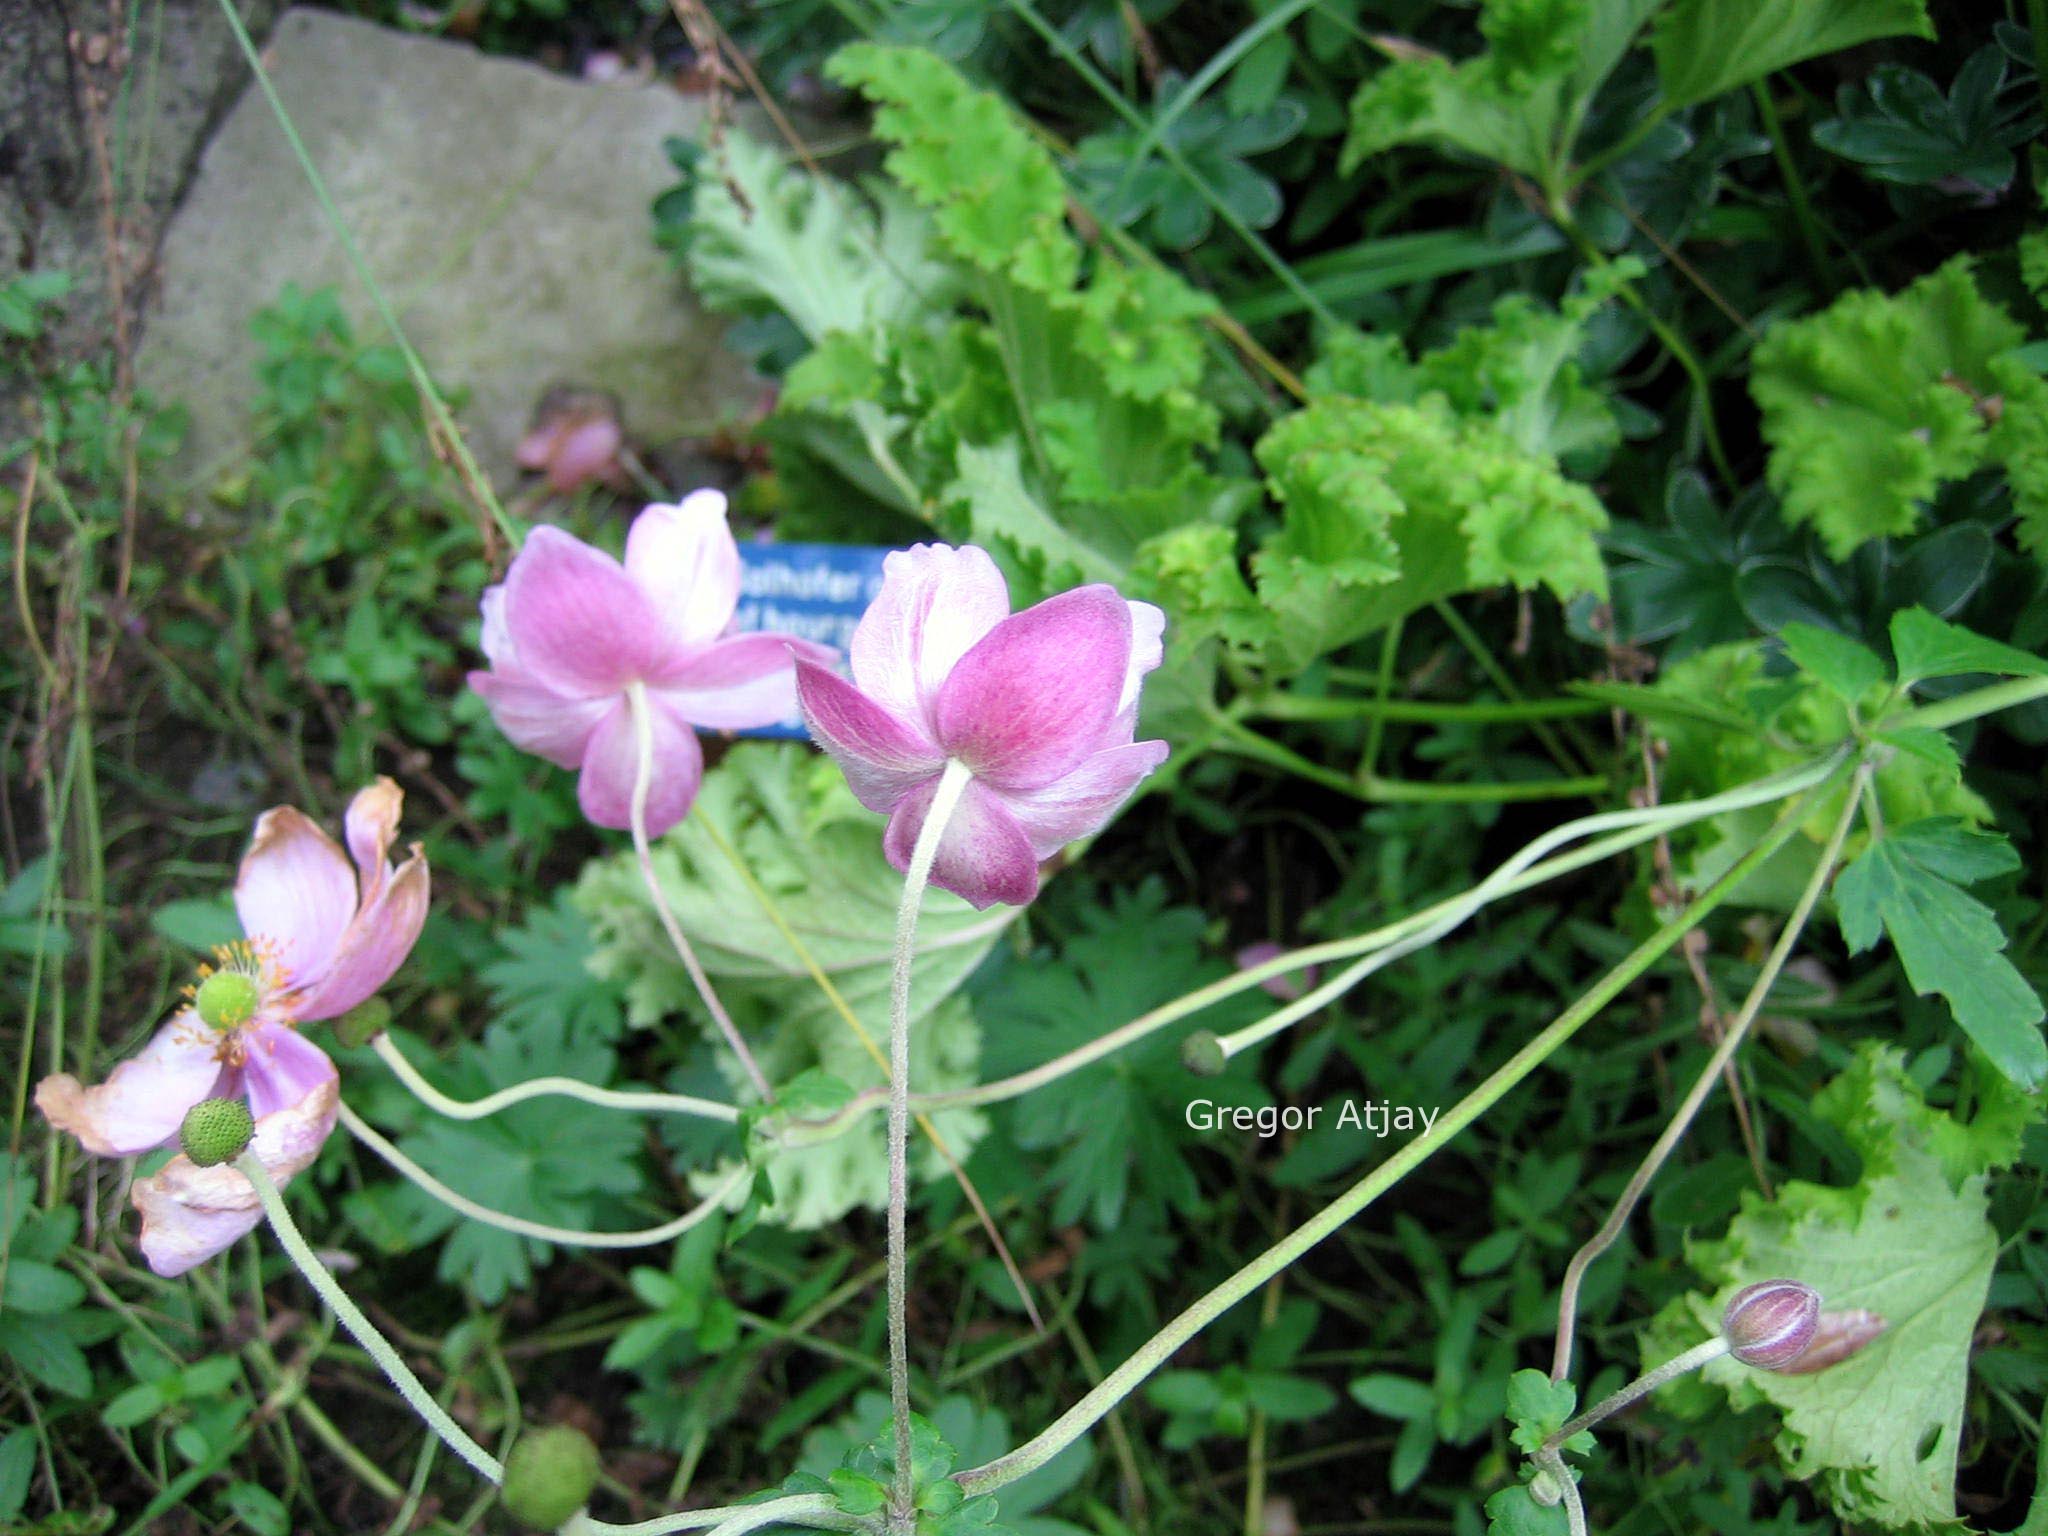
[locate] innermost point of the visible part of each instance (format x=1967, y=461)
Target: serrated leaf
x=1848, y=668
x=1910, y=1241
x=1947, y=941
x=1926, y=646
x=1513, y=1512
x=1538, y=1407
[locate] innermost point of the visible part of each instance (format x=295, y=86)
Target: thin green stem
x=952, y=783
x=1247, y=742
x=1731, y=1040
x=1795, y=184
x=1552, y=1461
x=1163, y=1345
x=668, y=1231
x=472, y=475
x=1968, y=706
x=1490, y=664
x=811, y=1509
x=365, y=1333
x=1699, y=1355
x=1627, y=829
x=544, y=1087
x=643, y=778
x=1383, y=686
x=1284, y=706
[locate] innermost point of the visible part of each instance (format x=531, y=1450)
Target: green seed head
x=216, y=1131
x=1202, y=1054
x=226, y=1000
x=548, y=1476
x=363, y=1023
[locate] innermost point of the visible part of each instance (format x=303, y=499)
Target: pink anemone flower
x=1041, y=707
x=322, y=935
x=572, y=633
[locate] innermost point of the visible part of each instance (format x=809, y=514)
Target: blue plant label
x=813, y=591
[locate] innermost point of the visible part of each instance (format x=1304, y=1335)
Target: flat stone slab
x=503, y=209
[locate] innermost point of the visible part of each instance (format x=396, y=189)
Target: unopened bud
x=1769, y=1324
x=226, y=1000
x=1202, y=1054
x=548, y=1476
x=216, y=1130
x=363, y=1023
x=1836, y=1337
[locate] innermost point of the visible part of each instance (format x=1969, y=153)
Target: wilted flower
x=1040, y=706
x=1769, y=1324
x=570, y=633
x=1836, y=1336
x=576, y=439
x=321, y=936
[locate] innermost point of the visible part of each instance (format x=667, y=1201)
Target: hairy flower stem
x=544, y=1087
x=1731, y=1040
x=902, y=1510
x=365, y=1333
x=1162, y=1346
x=643, y=777
x=667, y=1232
x=1642, y=1386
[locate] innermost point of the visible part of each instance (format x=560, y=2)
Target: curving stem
x=643, y=778
x=951, y=784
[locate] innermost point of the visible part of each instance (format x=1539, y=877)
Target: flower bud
x=1769, y=1324
x=216, y=1130
x=363, y=1023
x=548, y=1476
x=1202, y=1054
x=226, y=1000
x=1836, y=1337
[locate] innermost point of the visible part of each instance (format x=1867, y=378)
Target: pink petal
x=297, y=890
x=684, y=558
x=190, y=1213
x=583, y=452
x=373, y=946
x=1079, y=803
x=281, y=1069
x=537, y=447
x=883, y=757
x=1148, y=649
x=983, y=856
x=536, y=719
x=1035, y=695
x=605, y=790
x=143, y=1101
x=935, y=603
x=496, y=638
x=371, y=824
x=743, y=681
x=582, y=626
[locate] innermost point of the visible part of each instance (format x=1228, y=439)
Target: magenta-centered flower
x=322, y=935
x=1040, y=706
x=571, y=632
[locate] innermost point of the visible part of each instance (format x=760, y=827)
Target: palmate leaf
x=817, y=856
x=1909, y=1241
x=1116, y=1130
x=1907, y=884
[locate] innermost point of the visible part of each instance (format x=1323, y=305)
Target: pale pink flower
x=322, y=935
x=571, y=631
x=577, y=440
x=1040, y=706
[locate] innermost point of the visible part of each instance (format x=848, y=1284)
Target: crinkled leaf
x=1909, y=1241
